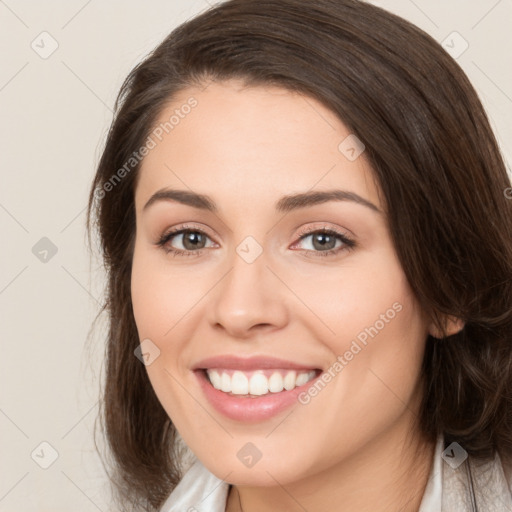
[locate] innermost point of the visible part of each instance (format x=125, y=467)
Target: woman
x=303, y=214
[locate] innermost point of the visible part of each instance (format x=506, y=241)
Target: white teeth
x=289, y=381
x=215, y=379
x=226, y=383
x=302, y=378
x=257, y=383
x=275, y=383
x=239, y=384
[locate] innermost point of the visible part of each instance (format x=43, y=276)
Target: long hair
x=439, y=169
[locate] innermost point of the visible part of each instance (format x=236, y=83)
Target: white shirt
x=448, y=489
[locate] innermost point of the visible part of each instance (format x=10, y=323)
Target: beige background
x=54, y=115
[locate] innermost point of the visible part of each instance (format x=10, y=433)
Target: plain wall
x=55, y=112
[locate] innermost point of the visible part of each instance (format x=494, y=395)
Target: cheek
x=369, y=320
x=352, y=296
x=148, y=308
x=161, y=297
x=161, y=294
x=378, y=350
x=151, y=307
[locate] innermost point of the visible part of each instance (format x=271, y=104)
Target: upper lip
x=249, y=363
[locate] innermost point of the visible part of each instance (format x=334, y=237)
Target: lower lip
x=243, y=408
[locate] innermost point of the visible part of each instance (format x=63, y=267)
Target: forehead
x=237, y=142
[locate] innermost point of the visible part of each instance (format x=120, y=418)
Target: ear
x=452, y=325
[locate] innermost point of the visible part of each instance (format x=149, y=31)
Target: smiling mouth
x=257, y=383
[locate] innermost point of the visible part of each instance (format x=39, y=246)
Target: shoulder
x=506, y=467
x=465, y=484
x=198, y=490
x=478, y=485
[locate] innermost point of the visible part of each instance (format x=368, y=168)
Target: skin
x=346, y=449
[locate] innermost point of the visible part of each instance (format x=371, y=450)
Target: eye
x=323, y=242
x=192, y=240
x=326, y=241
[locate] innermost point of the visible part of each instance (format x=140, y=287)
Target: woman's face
x=259, y=295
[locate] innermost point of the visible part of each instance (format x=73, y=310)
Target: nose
x=249, y=299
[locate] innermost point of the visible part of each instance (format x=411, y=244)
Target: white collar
x=431, y=501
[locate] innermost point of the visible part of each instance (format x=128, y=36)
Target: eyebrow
x=284, y=205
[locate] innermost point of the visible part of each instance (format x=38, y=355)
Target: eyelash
x=349, y=244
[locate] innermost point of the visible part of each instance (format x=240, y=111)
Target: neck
x=386, y=474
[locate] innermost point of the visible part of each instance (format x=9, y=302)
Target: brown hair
x=438, y=166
